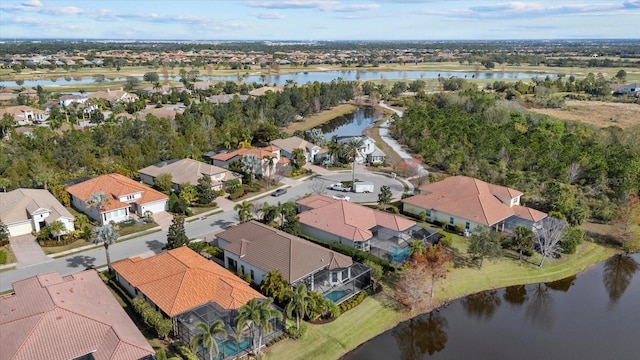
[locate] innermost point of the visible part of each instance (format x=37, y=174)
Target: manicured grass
x=330, y=341
x=197, y=210
x=378, y=314
x=56, y=249
x=320, y=118
x=11, y=257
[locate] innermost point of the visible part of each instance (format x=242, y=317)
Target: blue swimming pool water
x=399, y=254
x=231, y=348
x=337, y=295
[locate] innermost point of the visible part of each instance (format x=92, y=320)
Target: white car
x=339, y=187
x=341, y=197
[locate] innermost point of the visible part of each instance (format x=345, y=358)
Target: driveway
x=27, y=250
x=164, y=219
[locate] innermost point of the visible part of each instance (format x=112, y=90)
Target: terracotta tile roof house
x=186, y=171
x=124, y=195
x=289, y=144
x=462, y=200
x=180, y=279
x=23, y=115
x=224, y=159
x=261, y=248
x=72, y=317
x=345, y=222
x=114, y=96
x=26, y=210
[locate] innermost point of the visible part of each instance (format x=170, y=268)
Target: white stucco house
x=27, y=210
x=287, y=146
x=368, y=153
x=125, y=196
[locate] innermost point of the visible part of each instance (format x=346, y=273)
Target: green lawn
x=11, y=258
x=128, y=230
x=378, y=314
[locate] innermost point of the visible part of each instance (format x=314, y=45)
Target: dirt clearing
x=597, y=113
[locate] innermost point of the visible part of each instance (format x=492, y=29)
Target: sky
x=313, y=20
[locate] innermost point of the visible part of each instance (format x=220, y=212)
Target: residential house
x=384, y=234
x=189, y=289
x=56, y=317
x=27, y=210
x=114, y=96
x=472, y=203
x=368, y=152
x=226, y=98
x=160, y=113
x=24, y=115
x=312, y=152
x=125, y=196
x=186, y=171
x=256, y=249
x=263, y=90
x=264, y=167
x=68, y=99
x=7, y=97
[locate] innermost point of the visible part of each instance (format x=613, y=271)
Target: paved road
x=152, y=244
x=384, y=134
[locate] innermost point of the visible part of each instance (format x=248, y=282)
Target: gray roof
x=185, y=170
x=19, y=204
x=270, y=249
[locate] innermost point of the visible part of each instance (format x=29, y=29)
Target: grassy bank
x=379, y=313
x=320, y=118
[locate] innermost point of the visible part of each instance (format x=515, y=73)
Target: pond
x=303, y=77
x=351, y=124
x=595, y=315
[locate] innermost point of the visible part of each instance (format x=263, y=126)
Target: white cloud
x=322, y=5
x=32, y=3
x=270, y=15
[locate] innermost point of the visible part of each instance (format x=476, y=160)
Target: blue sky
x=319, y=19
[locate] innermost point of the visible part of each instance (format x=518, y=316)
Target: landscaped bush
x=237, y=193
x=276, y=339
x=353, y=302
x=63, y=241
x=198, y=246
x=3, y=257
x=357, y=255
x=152, y=317
x=215, y=252
x=127, y=223
x=295, y=333
x=185, y=352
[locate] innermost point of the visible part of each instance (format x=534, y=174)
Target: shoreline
x=378, y=313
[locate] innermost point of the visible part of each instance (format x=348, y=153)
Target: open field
x=319, y=118
x=597, y=113
x=379, y=313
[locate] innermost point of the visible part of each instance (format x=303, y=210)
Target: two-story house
x=312, y=152
x=269, y=158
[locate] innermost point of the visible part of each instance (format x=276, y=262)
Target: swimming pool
x=230, y=347
x=337, y=295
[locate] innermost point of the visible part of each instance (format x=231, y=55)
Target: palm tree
x=299, y=303
x=244, y=211
x=105, y=235
x=270, y=162
x=416, y=247
x=97, y=200
x=275, y=285
x=206, y=337
x=255, y=314
x=352, y=150
x=57, y=228
x=269, y=213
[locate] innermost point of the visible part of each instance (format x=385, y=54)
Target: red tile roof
x=115, y=186
x=260, y=153
x=180, y=279
x=348, y=220
x=468, y=198
x=53, y=317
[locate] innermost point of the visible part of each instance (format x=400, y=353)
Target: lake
x=595, y=315
x=303, y=78
x=351, y=124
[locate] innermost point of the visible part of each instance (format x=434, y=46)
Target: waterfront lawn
x=330, y=341
x=378, y=314
x=320, y=118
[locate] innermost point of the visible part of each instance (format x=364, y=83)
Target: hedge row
x=152, y=317
x=353, y=302
x=357, y=255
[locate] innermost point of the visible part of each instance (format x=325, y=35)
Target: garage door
x=20, y=229
x=154, y=207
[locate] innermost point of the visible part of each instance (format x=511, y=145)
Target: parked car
x=341, y=197
x=279, y=192
x=37, y=122
x=339, y=187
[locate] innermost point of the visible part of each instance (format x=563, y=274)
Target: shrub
x=422, y=216
x=198, y=247
x=237, y=193
x=571, y=238
x=295, y=333
x=152, y=317
x=186, y=353
x=215, y=252
x=438, y=223
x=445, y=240
x=459, y=228
x=3, y=257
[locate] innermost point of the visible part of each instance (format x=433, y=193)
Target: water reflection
x=515, y=295
x=351, y=124
x=425, y=334
x=482, y=305
x=561, y=285
x=538, y=309
x=617, y=275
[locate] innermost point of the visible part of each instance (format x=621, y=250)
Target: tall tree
x=437, y=260
x=299, y=158
x=205, y=191
x=299, y=303
x=4, y=231
x=352, y=151
x=626, y=223
x=275, y=285
x=244, y=211
x=205, y=337
x=522, y=240
x=385, y=196
x=105, y=235
x=413, y=284
x=548, y=236
x=256, y=315
x=176, y=235
x=484, y=243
